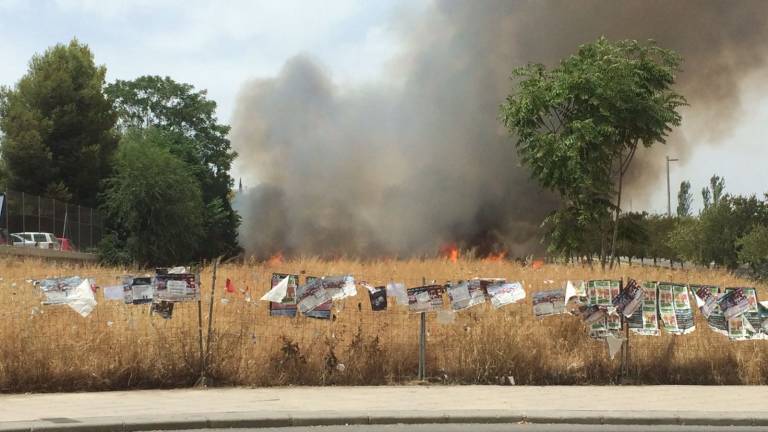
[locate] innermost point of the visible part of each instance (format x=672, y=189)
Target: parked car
x=36, y=239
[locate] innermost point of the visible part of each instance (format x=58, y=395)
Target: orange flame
x=450, y=251
x=496, y=257
x=275, y=259
x=537, y=264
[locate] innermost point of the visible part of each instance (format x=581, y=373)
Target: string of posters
x=604, y=305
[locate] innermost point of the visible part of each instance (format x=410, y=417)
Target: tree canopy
x=194, y=135
x=578, y=125
x=153, y=202
x=57, y=126
x=684, y=199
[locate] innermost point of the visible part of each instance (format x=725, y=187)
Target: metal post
x=669, y=191
x=53, y=220
x=201, y=381
x=39, y=207
x=90, y=228
x=423, y=341
x=210, y=323
x=79, y=228
x=23, y=215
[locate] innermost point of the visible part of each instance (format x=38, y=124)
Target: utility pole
x=669, y=191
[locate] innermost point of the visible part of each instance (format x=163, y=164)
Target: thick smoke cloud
x=401, y=167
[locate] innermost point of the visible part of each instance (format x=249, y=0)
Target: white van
x=36, y=239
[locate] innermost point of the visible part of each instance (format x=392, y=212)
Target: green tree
x=684, y=200
x=195, y=136
x=714, y=193
x=686, y=239
x=753, y=250
x=153, y=203
x=57, y=126
x=579, y=125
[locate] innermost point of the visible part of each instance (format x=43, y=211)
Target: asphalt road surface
x=494, y=428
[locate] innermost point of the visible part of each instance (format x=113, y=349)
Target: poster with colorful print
x=286, y=308
x=426, y=298
x=675, y=308
x=645, y=320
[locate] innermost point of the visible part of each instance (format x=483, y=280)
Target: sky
x=218, y=46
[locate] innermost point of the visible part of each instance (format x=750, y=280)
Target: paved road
x=495, y=428
x=504, y=407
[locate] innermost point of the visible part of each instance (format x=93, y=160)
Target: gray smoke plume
x=400, y=169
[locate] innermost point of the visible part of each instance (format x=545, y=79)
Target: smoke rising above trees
x=400, y=166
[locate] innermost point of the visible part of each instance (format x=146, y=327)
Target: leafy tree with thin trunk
x=579, y=125
x=684, y=200
x=152, y=202
x=58, y=126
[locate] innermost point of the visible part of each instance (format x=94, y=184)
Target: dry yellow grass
x=51, y=348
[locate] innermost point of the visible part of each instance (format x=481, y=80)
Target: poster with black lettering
x=645, y=320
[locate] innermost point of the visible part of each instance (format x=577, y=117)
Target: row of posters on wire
x=161, y=291
x=647, y=309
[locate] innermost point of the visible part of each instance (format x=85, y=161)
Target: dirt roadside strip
x=314, y=406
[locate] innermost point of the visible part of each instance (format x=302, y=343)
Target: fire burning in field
x=275, y=259
x=450, y=251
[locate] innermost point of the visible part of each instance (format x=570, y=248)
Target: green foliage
x=686, y=240
x=714, y=193
x=684, y=200
x=578, y=125
x=194, y=135
x=57, y=126
x=753, y=248
x=153, y=202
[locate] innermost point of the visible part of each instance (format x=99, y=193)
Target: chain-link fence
x=125, y=346
x=25, y=213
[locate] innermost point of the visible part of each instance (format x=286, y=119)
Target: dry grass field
x=51, y=348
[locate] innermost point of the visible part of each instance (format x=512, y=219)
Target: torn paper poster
x=114, y=292
x=733, y=303
x=229, y=286
x=162, y=308
x=570, y=292
x=137, y=290
x=645, y=320
x=629, y=300
x=177, y=287
x=81, y=299
x=675, y=308
x=504, y=293
x=287, y=305
x=340, y=287
x=398, y=292
x=613, y=321
x=614, y=345
x=706, y=298
x=466, y=294
x=278, y=292
x=378, y=297
x=546, y=303
x=322, y=311
x=602, y=292
x=445, y=317
x=311, y=295
x=748, y=325
x=57, y=290
x=425, y=298
x=716, y=320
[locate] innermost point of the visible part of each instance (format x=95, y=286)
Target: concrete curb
x=262, y=419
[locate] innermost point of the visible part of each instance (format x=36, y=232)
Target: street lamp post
x=669, y=192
